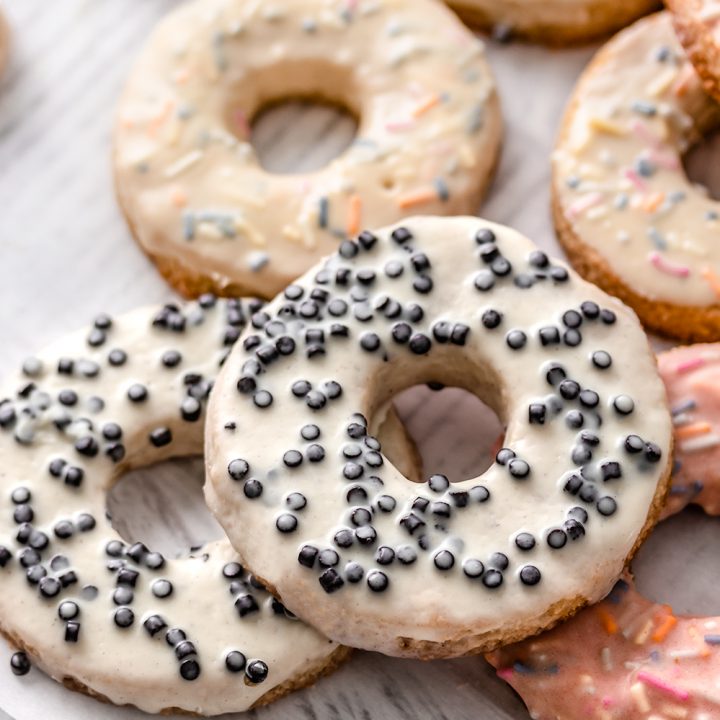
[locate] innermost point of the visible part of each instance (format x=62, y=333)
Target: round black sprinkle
x=310, y=432
x=124, y=617
x=601, y=359
x=235, y=661
x=190, y=670
x=444, y=560
x=384, y=555
x=252, y=488
x=238, y=469
x=607, y=316
x=484, y=280
x=530, y=575
x=161, y=436
x=262, y=399
x=117, y=357
x=516, y=339
x=473, y=568
x=369, y=342
x=162, y=588
x=492, y=578
x=589, y=398
x=256, y=671
x=420, y=344
x=137, y=393
x=491, y=319
x=171, y=358
x=518, y=468
x=556, y=539
x=377, y=581
x=606, y=506
x=438, y=483
x=286, y=523
x=525, y=541
x=20, y=663
x=68, y=610
x=292, y=458
x=623, y=404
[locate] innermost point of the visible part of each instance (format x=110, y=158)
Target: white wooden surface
x=65, y=254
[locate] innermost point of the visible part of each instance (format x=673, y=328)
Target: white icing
x=425, y=99
x=641, y=105
x=422, y=602
x=127, y=665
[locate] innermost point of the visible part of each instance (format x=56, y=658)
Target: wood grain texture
x=65, y=254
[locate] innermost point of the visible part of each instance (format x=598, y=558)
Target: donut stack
x=313, y=300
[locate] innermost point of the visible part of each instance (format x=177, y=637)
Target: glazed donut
x=188, y=180
x=626, y=213
x=628, y=658
x=553, y=22
x=697, y=23
x=439, y=570
x=115, y=619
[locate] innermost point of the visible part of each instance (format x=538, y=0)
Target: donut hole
x=680, y=562
x=162, y=505
x=702, y=164
x=298, y=116
x=457, y=434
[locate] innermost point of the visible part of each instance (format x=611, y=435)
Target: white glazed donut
x=188, y=180
x=115, y=619
x=554, y=22
x=628, y=216
x=378, y=562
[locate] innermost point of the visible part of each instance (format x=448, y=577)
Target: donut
x=697, y=24
x=439, y=569
x=552, y=22
x=625, y=212
x=116, y=619
x=628, y=658
x=190, y=185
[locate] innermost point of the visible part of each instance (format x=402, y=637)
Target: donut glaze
x=626, y=213
x=439, y=570
x=188, y=180
x=628, y=658
x=111, y=618
x=697, y=23
x=554, y=22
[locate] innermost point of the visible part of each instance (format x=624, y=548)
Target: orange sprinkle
x=607, y=620
x=696, y=428
x=178, y=197
x=664, y=628
x=416, y=197
x=157, y=121
x=181, y=75
x=711, y=279
x=354, y=215
x=653, y=201
x=426, y=105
